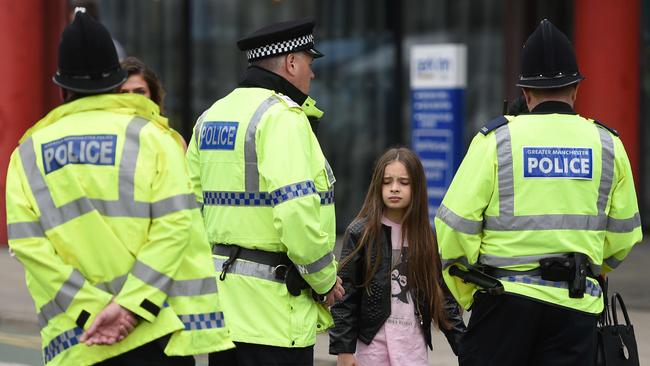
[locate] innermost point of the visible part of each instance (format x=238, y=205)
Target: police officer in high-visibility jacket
x=101, y=214
x=268, y=202
x=545, y=203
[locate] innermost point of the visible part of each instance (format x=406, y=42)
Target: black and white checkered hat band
x=279, y=47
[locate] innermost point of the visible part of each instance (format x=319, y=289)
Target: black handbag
x=616, y=344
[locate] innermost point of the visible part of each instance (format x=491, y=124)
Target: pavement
x=19, y=327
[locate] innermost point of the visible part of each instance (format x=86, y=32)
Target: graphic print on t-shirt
x=398, y=284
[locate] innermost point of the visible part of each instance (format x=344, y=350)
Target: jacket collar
x=553, y=106
x=257, y=77
x=129, y=104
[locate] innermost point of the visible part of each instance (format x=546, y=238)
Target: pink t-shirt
x=400, y=340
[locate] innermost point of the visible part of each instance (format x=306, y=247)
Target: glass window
x=362, y=82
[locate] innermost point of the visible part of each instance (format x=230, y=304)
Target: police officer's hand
x=336, y=293
x=346, y=359
x=111, y=325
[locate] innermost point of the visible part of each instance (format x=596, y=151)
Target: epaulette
x=493, y=125
x=613, y=131
x=288, y=101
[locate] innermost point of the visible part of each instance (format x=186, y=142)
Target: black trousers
x=511, y=330
x=247, y=354
x=150, y=354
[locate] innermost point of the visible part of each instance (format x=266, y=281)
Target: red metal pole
x=29, y=33
x=607, y=48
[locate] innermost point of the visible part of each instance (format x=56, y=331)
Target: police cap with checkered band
x=280, y=38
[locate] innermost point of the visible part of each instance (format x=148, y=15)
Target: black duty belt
x=279, y=267
x=572, y=269
x=252, y=255
x=278, y=260
x=500, y=272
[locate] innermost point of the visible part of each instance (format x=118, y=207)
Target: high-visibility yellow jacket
x=100, y=207
x=537, y=186
x=259, y=171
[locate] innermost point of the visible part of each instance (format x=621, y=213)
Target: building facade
x=362, y=83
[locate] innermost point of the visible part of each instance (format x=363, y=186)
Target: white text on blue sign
x=558, y=162
x=219, y=135
x=86, y=149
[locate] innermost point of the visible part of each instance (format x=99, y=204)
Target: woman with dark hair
x=391, y=273
x=142, y=80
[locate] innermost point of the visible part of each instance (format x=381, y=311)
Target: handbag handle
x=616, y=296
x=606, y=315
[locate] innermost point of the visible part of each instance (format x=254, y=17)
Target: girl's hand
x=346, y=359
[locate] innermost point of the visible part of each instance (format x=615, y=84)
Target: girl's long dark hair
x=423, y=262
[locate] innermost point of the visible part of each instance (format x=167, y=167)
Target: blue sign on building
x=437, y=103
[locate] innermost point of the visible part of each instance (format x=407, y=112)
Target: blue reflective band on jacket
x=61, y=342
x=286, y=193
x=219, y=135
x=558, y=162
x=327, y=198
x=86, y=149
x=292, y=191
x=203, y=321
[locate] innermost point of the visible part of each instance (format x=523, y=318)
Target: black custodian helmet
x=548, y=60
x=88, y=61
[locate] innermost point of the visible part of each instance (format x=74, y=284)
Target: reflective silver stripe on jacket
x=496, y=261
x=607, y=170
x=151, y=277
x=63, y=298
x=197, y=129
x=246, y=268
x=458, y=223
x=507, y=221
x=252, y=195
x=113, y=286
x=317, y=265
x=52, y=216
x=193, y=287
x=505, y=173
x=173, y=204
x=125, y=206
x=22, y=230
x=251, y=170
x=449, y=262
x=623, y=225
x=546, y=222
x=148, y=275
x=591, y=288
x=330, y=174
x=612, y=262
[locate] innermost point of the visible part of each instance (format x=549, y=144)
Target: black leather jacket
x=360, y=314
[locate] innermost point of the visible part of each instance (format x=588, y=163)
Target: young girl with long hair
x=391, y=273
